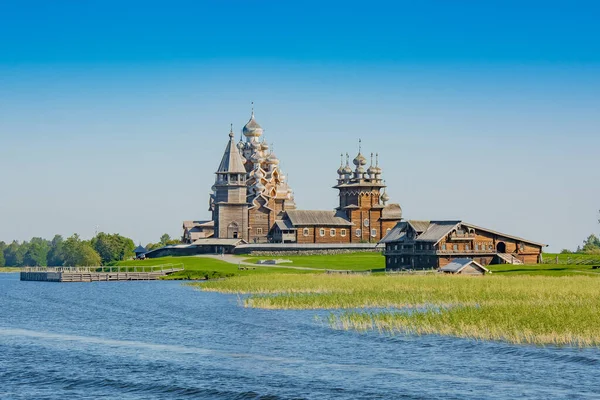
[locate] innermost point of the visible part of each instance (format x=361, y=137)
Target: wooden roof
x=459, y=264
x=316, y=218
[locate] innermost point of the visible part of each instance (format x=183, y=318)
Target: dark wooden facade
x=434, y=244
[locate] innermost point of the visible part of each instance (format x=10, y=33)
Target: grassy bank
x=9, y=269
x=199, y=268
x=517, y=309
x=350, y=261
x=208, y=268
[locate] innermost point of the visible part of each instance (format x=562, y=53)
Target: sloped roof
x=419, y=226
x=436, y=231
x=503, y=234
x=459, y=264
x=285, y=225
x=391, y=211
x=232, y=160
x=317, y=218
x=140, y=249
x=195, y=224
x=218, y=242
x=396, y=234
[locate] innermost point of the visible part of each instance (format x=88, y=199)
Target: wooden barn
x=434, y=244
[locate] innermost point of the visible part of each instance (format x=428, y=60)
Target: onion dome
x=240, y=146
x=372, y=169
x=272, y=159
x=256, y=158
x=252, y=129
x=264, y=146
x=378, y=169
x=340, y=170
x=282, y=178
x=258, y=174
x=360, y=160
x=385, y=197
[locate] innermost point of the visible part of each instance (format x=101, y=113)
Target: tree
x=165, y=239
x=36, y=254
x=591, y=245
x=2, y=247
x=55, y=255
x=13, y=254
x=113, y=247
x=79, y=253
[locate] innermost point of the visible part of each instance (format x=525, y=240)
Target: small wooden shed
x=464, y=266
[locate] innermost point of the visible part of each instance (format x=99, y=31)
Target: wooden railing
x=123, y=268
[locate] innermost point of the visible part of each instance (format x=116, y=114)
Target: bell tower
x=228, y=201
x=362, y=200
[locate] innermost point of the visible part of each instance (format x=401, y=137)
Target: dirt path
x=231, y=259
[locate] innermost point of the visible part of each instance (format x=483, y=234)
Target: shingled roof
x=396, y=234
x=232, y=160
x=316, y=218
x=436, y=231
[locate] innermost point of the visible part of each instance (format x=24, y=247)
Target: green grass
x=570, y=258
x=544, y=269
x=205, y=268
x=198, y=268
x=517, y=309
x=351, y=261
x=9, y=269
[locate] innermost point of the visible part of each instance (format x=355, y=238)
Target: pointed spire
x=252, y=110
x=342, y=160
x=347, y=160
x=359, y=146
x=371, y=159
x=231, y=131
x=232, y=162
x=377, y=160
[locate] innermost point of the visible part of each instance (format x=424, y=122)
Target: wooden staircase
x=507, y=258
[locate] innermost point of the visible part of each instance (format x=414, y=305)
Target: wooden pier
x=98, y=274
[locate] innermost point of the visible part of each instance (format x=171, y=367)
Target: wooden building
x=464, y=266
x=434, y=244
x=252, y=201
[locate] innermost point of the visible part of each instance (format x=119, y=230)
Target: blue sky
x=116, y=113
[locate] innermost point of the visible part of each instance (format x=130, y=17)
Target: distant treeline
x=103, y=249
x=590, y=246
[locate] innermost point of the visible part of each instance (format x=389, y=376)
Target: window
x=455, y=247
x=373, y=232
x=366, y=222
x=467, y=248
x=322, y=232
x=259, y=231
x=444, y=247
x=306, y=232
x=522, y=247
x=396, y=247
x=490, y=247
x=343, y=233
x=358, y=233
x=332, y=232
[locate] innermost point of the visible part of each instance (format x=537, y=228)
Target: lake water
x=163, y=340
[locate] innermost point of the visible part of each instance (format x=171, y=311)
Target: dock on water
x=98, y=274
